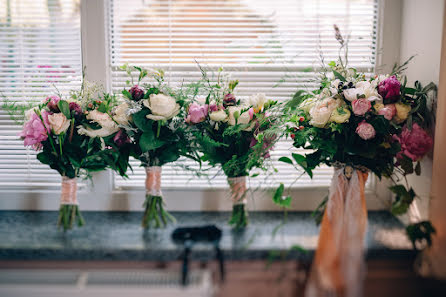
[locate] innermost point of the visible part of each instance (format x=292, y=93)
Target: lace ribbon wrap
x=238, y=189
x=338, y=266
x=153, y=181
x=68, y=191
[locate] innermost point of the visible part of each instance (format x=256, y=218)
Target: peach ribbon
x=68, y=191
x=153, y=181
x=238, y=189
x=338, y=266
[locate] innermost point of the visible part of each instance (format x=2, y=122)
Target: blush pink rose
x=361, y=106
x=197, y=113
x=414, y=143
x=365, y=130
x=388, y=111
x=389, y=89
x=34, y=132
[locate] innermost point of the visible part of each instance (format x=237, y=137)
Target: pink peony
x=229, y=100
x=34, y=131
x=414, y=143
x=52, y=103
x=365, y=130
x=137, y=92
x=389, y=89
x=388, y=111
x=361, y=106
x=197, y=113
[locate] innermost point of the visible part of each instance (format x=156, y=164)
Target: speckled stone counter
x=109, y=236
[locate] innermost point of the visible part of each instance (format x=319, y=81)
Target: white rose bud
x=218, y=116
x=58, y=123
x=162, y=107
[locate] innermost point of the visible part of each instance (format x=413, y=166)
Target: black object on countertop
x=188, y=236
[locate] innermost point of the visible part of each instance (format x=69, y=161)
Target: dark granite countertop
x=27, y=235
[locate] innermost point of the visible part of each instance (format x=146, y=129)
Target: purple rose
x=121, y=138
x=34, y=132
x=229, y=100
x=361, y=106
x=365, y=130
x=52, y=102
x=389, y=89
x=76, y=109
x=414, y=143
x=197, y=113
x=137, y=92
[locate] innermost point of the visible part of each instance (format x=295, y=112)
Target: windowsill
x=117, y=236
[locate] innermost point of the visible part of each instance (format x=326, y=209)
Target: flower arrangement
x=234, y=134
x=56, y=128
x=158, y=134
x=358, y=124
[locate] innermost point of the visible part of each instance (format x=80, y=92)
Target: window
x=268, y=45
x=40, y=49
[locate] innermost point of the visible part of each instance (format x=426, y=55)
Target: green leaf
x=148, y=142
x=140, y=120
x=418, y=168
x=420, y=232
x=406, y=164
x=64, y=108
x=339, y=76
x=127, y=94
x=302, y=161
x=286, y=160
x=279, y=199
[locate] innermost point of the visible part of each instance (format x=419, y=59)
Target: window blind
x=40, y=50
x=268, y=45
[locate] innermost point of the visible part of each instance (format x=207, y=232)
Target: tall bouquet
x=158, y=134
x=55, y=129
x=232, y=133
x=357, y=124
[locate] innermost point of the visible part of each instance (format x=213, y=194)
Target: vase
x=239, y=216
x=154, y=213
x=69, y=213
x=338, y=267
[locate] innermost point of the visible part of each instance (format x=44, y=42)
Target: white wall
x=421, y=34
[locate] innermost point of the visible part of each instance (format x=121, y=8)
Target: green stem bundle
x=69, y=215
x=239, y=217
x=154, y=214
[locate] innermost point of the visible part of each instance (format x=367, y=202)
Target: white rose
x=162, y=107
x=218, y=116
x=120, y=114
x=320, y=113
x=58, y=123
x=102, y=119
x=103, y=132
x=257, y=101
x=243, y=119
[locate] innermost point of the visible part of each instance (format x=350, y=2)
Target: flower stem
x=158, y=130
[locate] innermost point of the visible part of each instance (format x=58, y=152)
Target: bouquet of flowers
x=233, y=134
x=158, y=135
x=357, y=124
x=55, y=127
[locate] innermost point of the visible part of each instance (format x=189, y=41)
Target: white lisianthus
x=102, y=119
x=58, y=123
x=162, y=107
x=257, y=101
x=120, y=114
x=218, y=116
x=321, y=111
x=362, y=88
x=102, y=132
x=242, y=119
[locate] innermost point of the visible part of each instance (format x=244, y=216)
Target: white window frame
x=102, y=196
